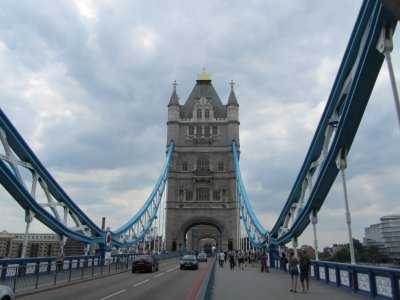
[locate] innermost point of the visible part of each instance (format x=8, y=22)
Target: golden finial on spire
x=204, y=75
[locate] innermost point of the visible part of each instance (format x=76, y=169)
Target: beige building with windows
x=39, y=245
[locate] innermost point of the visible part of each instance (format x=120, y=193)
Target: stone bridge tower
x=201, y=191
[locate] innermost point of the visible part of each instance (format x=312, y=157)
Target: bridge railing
x=375, y=282
x=32, y=273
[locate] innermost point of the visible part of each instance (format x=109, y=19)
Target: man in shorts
x=305, y=268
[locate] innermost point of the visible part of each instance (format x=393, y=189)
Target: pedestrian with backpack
x=305, y=268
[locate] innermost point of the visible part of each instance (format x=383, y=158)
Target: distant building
x=337, y=247
x=373, y=236
x=39, y=245
x=385, y=235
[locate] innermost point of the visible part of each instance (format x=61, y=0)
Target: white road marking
x=170, y=270
x=159, y=275
x=113, y=294
x=141, y=282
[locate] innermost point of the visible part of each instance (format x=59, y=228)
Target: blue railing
x=25, y=274
x=375, y=282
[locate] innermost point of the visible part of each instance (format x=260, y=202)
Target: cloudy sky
x=87, y=84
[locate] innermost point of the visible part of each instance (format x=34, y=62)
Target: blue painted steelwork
x=144, y=215
x=376, y=282
x=342, y=115
x=335, y=133
x=12, y=182
x=254, y=229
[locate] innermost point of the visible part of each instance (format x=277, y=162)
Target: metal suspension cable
x=156, y=193
x=254, y=229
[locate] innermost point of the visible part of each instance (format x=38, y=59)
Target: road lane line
x=141, y=282
x=113, y=295
x=170, y=270
x=159, y=275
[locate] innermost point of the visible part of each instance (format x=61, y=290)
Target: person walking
x=293, y=271
x=241, y=259
x=221, y=259
x=59, y=261
x=253, y=259
x=263, y=261
x=232, y=260
x=283, y=261
x=305, y=268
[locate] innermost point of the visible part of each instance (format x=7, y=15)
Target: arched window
x=191, y=130
x=206, y=114
x=203, y=164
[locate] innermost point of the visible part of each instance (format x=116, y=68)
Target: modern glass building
x=385, y=235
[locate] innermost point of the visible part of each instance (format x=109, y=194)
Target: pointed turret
x=174, y=101
x=232, y=108
x=173, y=107
x=232, y=101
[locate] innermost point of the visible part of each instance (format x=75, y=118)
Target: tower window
x=202, y=194
x=184, y=166
x=203, y=164
x=221, y=166
x=199, y=130
x=206, y=114
x=199, y=114
x=217, y=195
x=191, y=130
x=189, y=196
x=206, y=130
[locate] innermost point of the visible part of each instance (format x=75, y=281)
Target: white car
x=6, y=293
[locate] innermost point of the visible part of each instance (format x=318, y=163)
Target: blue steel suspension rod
x=22, y=150
x=348, y=107
x=245, y=206
x=157, y=192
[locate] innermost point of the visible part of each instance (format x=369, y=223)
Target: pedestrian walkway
x=250, y=283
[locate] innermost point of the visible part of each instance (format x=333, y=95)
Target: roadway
x=168, y=283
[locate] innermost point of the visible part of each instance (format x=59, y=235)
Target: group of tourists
x=243, y=259
x=296, y=265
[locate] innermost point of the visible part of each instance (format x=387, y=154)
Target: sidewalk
x=250, y=283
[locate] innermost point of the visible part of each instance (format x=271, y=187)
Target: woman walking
x=294, y=271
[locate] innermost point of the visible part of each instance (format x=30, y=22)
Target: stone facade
x=201, y=188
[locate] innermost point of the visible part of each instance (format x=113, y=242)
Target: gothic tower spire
x=232, y=101
x=174, y=101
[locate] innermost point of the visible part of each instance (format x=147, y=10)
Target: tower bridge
x=206, y=196
x=201, y=182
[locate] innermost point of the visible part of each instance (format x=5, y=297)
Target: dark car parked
x=189, y=262
x=145, y=263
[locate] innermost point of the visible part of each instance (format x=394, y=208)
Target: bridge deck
x=250, y=283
